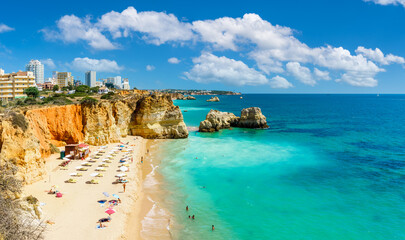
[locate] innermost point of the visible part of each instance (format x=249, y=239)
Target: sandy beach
x=75, y=215
x=143, y=222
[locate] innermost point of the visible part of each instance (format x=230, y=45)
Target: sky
x=289, y=46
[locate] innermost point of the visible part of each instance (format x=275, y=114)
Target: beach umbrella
x=106, y=194
x=84, y=163
x=94, y=174
x=121, y=175
x=73, y=174
x=78, y=167
x=123, y=168
x=110, y=211
x=116, y=196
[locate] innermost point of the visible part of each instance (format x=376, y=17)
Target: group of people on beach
x=193, y=218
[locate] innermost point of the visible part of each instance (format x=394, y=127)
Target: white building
x=114, y=80
x=1, y=71
x=125, y=84
x=90, y=78
x=37, y=68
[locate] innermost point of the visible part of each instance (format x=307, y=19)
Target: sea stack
x=250, y=118
x=213, y=99
x=217, y=120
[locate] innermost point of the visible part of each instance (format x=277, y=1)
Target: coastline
x=136, y=225
x=78, y=209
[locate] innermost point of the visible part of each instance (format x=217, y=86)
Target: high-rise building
x=37, y=68
x=64, y=79
x=90, y=78
x=12, y=85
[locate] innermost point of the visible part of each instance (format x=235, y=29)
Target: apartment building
x=63, y=79
x=12, y=85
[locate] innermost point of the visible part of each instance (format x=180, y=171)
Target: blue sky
x=345, y=46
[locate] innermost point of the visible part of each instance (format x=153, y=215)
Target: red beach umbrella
x=110, y=211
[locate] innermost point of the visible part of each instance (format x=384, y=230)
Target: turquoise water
x=330, y=167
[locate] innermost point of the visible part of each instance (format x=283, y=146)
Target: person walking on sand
x=124, y=186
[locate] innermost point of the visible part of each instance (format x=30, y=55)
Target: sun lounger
x=71, y=180
x=100, y=169
x=82, y=169
x=94, y=181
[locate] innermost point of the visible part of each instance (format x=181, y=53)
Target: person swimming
x=213, y=228
x=187, y=208
x=193, y=217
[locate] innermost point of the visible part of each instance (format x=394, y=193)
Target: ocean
x=329, y=167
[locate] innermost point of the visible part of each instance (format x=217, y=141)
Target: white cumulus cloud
x=323, y=75
x=378, y=56
x=150, y=67
x=99, y=65
x=280, y=82
x=5, y=28
x=72, y=29
x=301, y=73
x=49, y=63
x=274, y=48
x=209, y=68
x=173, y=60
x=387, y=2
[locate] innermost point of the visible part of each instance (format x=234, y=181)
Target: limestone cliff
x=28, y=136
x=156, y=117
x=250, y=118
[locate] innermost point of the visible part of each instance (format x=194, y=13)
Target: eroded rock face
x=157, y=117
x=98, y=124
x=217, y=120
x=252, y=118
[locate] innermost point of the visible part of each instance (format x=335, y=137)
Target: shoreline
x=78, y=209
x=143, y=211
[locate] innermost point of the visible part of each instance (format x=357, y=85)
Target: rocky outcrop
x=213, y=99
x=250, y=118
x=217, y=120
x=176, y=96
x=189, y=98
x=27, y=137
x=157, y=117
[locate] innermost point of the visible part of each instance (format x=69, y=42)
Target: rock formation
x=27, y=137
x=250, y=118
x=213, y=99
x=217, y=120
x=156, y=117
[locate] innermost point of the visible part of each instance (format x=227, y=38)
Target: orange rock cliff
x=28, y=137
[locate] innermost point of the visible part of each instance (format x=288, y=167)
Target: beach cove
x=76, y=213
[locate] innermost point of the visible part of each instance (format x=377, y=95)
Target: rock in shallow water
x=250, y=118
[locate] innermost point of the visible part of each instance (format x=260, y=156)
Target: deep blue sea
x=329, y=167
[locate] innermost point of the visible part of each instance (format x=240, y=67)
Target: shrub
x=32, y=92
x=88, y=101
x=55, y=88
x=109, y=95
x=57, y=99
x=53, y=148
x=19, y=120
x=30, y=101
x=31, y=200
x=83, y=88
